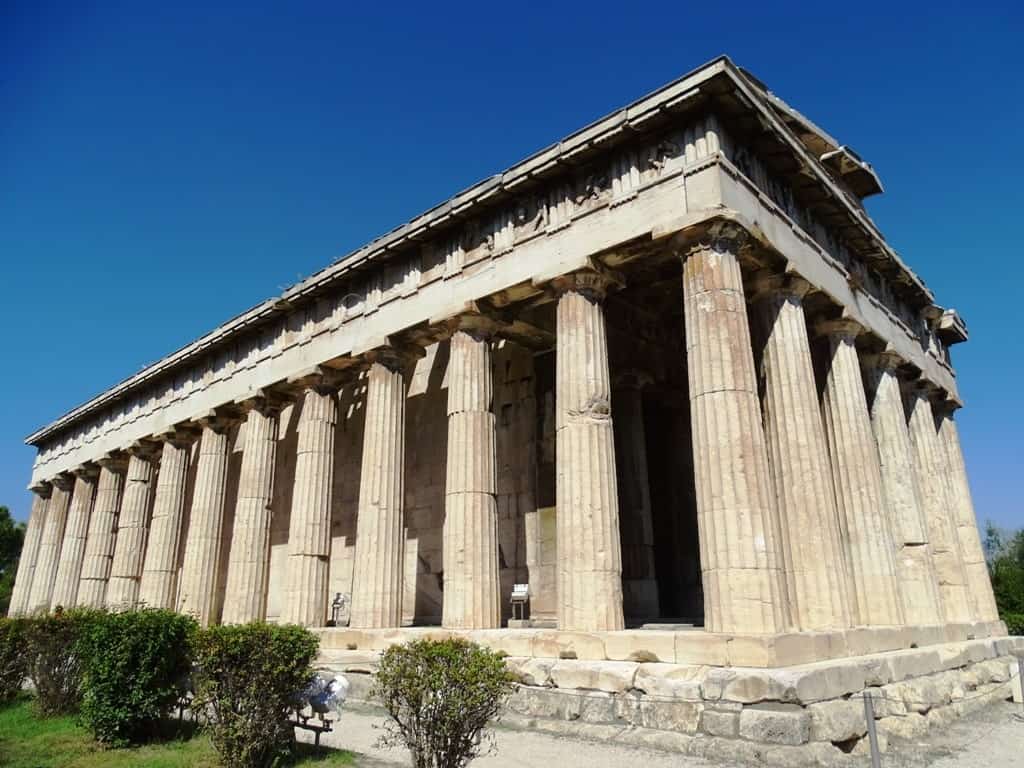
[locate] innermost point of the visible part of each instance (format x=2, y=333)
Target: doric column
x=245, y=597
x=979, y=585
x=936, y=498
x=743, y=585
x=99, y=547
x=158, y=587
x=639, y=581
x=377, y=575
x=470, y=535
x=915, y=572
x=309, y=530
x=812, y=553
x=30, y=550
x=76, y=532
x=589, y=570
x=200, y=566
x=863, y=517
x=49, y=545
x=132, y=528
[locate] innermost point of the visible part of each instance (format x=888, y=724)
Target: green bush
x=134, y=669
x=1014, y=623
x=245, y=679
x=439, y=696
x=54, y=666
x=13, y=658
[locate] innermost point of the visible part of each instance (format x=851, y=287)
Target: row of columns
x=814, y=513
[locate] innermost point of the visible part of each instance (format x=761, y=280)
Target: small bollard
x=869, y=716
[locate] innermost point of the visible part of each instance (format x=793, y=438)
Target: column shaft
x=979, y=584
x=743, y=586
x=863, y=517
x=915, y=572
x=72, y=549
x=132, y=528
x=309, y=532
x=30, y=551
x=49, y=546
x=378, y=569
x=200, y=567
x=470, y=535
x=812, y=554
x=158, y=587
x=99, y=548
x=245, y=596
x=589, y=570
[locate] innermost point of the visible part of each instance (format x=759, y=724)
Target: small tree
x=13, y=657
x=439, y=696
x=54, y=665
x=246, y=678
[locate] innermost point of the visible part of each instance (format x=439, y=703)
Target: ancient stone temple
x=666, y=372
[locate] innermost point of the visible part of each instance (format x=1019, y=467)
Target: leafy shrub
x=245, y=678
x=134, y=667
x=1014, y=623
x=54, y=666
x=13, y=657
x=439, y=696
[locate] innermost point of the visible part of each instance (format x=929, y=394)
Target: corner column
x=377, y=574
x=812, y=553
x=76, y=532
x=470, y=533
x=245, y=597
x=50, y=543
x=132, y=528
x=743, y=583
x=99, y=548
x=915, y=571
x=30, y=550
x=589, y=570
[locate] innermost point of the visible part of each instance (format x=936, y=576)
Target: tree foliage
x=54, y=663
x=13, y=657
x=12, y=537
x=1006, y=566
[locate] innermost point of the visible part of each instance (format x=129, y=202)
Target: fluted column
x=812, y=554
x=639, y=581
x=158, y=587
x=922, y=603
x=863, y=516
x=200, y=566
x=245, y=597
x=979, y=584
x=377, y=576
x=737, y=523
x=589, y=570
x=132, y=529
x=99, y=547
x=50, y=543
x=470, y=535
x=76, y=533
x=30, y=550
x=309, y=531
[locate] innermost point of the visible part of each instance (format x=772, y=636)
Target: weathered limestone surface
x=309, y=534
x=158, y=587
x=49, y=545
x=30, y=550
x=979, y=584
x=132, y=529
x=743, y=586
x=245, y=597
x=377, y=577
x=863, y=514
x=76, y=532
x=197, y=594
x=922, y=603
x=99, y=548
x=589, y=572
x=812, y=554
x=936, y=495
x=470, y=536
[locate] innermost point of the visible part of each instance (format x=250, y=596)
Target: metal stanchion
x=869, y=716
x=1020, y=684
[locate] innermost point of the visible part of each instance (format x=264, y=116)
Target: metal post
x=869, y=715
x=1020, y=683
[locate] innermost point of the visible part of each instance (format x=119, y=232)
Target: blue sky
x=164, y=166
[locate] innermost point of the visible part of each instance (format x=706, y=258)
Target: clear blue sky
x=164, y=166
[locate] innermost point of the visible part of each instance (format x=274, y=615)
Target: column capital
x=114, y=461
x=479, y=326
x=885, y=360
x=593, y=282
x=147, y=449
x=787, y=285
x=219, y=419
x=65, y=481
x=87, y=471
x=845, y=328
x=179, y=435
x=267, y=402
x=42, y=489
x=321, y=379
x=721, y=236
x=395, y=357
